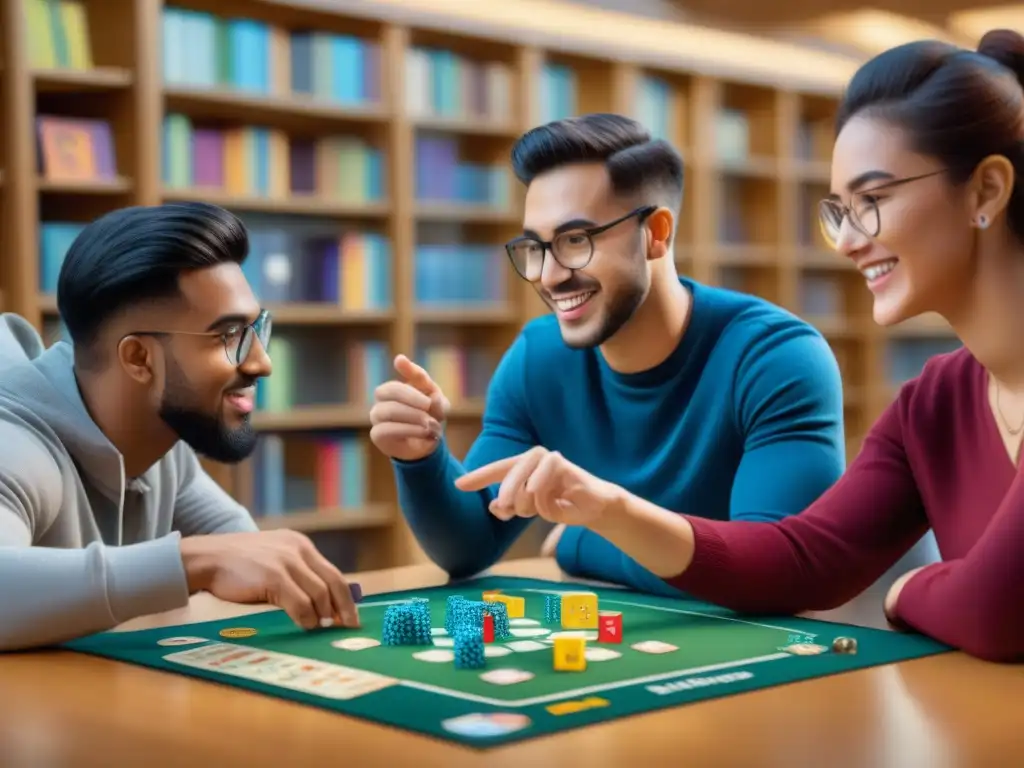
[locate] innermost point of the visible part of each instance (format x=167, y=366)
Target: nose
x=553, y=274
x=257, y=363
x=851, y=240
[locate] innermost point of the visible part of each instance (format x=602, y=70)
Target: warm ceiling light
x=874, y=31
x=974, y=24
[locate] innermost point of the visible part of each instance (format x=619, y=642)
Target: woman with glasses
x=928, y=202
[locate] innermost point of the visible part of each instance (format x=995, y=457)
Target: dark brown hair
x=638, y=165
x=956, y=105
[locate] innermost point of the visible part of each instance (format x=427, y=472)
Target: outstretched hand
x=546, y=484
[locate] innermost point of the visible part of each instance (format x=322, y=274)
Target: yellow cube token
x=516, y=606
x=579, y=610
x=570, y=654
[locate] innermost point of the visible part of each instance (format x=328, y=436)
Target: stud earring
x=982, y=221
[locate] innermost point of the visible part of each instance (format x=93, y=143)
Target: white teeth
x=573, y=301
x=875, y=271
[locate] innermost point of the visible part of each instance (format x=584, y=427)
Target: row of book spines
x=58, y=34
x=365, y=365
x=266, y=162
x=459, y=274
x=204, y=50
x=442, y=175
x=353, y=271
x=442, y=83
x=461, y=372
x=336, y=477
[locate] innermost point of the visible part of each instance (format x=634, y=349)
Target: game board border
x=600, y=687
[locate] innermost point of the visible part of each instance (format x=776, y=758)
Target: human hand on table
x=408, y=416
x=893, y=595
x=546, y=484
x=280, y=567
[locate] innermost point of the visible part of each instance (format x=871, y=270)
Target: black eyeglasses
x=237, y=340
x=573, y=249
x=863, y=211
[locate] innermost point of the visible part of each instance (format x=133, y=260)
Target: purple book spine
x=208, y=158
x=103, y=146
x=371, y=72
x=302, y=156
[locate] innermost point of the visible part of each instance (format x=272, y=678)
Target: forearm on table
x=974, y=603
x=658, y=539
x=454, y=528
x=49, y=596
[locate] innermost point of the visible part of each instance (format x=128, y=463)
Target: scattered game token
x=494, y=651
x=506, y=676
x=844, y=645
x=529, y=631
x=438, y=631
x=805, y=649
x=444, y=642
x=355, y=643
x=523, y=622
x=653, y=646
x=600, y=654
x=356, y=590
x=181, y=640
x=524, y=646
x=586, y=634
x=481, y=725
x=437, y=656
x=235, y=632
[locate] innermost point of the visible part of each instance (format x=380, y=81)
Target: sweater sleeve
x=455, y=528
x=975, y=603
x=788, y=405
x=824, y=556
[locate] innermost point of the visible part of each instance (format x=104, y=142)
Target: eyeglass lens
x=571, y=249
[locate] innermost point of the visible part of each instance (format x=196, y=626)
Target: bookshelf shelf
x=117, y=185
x=341, y=519
x=81, y=80
x=295, y=204
x=414, y=106
x=294, y=111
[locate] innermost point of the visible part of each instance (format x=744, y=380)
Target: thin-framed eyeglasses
x=237, y=340
x=573, y=249
x=862, y=211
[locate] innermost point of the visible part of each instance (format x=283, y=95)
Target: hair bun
x=1007, y=47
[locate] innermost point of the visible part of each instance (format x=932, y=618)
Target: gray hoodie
x=82, y=547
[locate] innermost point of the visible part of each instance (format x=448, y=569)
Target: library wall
x=369, y=159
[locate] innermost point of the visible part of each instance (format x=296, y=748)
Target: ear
x=137, y=359
x=659, y=225
x=990, y=188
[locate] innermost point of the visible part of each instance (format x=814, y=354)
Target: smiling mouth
x=243, y=400
x=570, y=303
x=879, y=269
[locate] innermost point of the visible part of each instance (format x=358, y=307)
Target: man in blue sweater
x=696, y=398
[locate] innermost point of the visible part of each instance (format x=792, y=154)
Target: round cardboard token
x=805, y=649
x=523, y=623
x=238, y=632
x=435, y=631
x=181, y=640
x=600, y=654
x=493, y=651
x=529, y=631
x=437, y=656
x=444, y=642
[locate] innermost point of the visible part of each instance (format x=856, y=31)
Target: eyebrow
x=564, y=227
x=859, y=181
x=227, y=319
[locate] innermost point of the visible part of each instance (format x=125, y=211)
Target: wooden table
x=64, y=709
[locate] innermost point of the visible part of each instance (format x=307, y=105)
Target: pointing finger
x=489, y=474
x=416, y=375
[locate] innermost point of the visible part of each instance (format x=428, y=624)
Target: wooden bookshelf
x=753, y=122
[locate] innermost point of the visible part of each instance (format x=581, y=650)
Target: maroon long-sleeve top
x=934, y=459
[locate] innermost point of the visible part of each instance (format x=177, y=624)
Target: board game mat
x=672, y=652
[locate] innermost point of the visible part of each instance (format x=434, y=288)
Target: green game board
x=718, y=654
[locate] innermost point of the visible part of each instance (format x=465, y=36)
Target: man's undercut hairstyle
x=641, y=169
x=136, y=255
x=955, y=105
